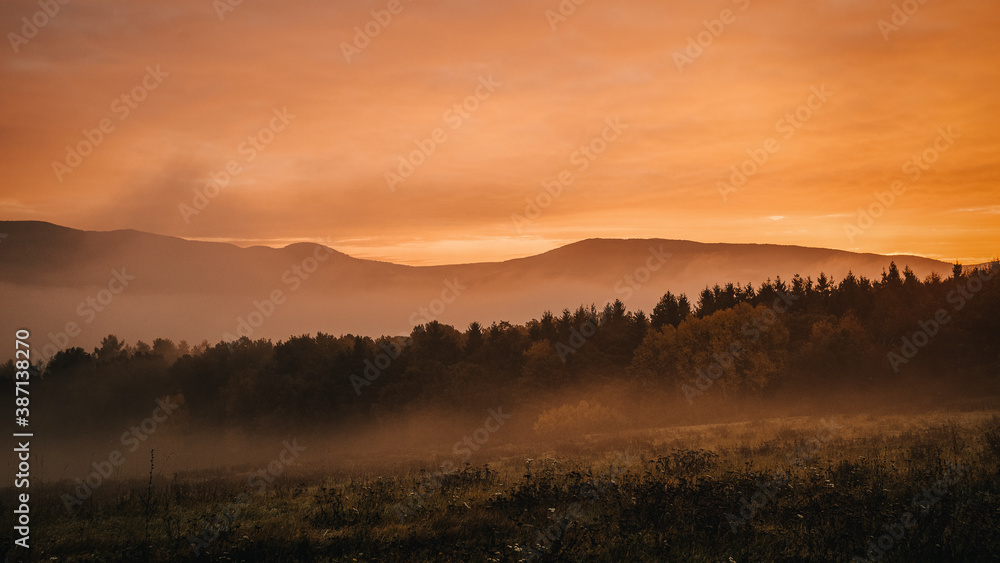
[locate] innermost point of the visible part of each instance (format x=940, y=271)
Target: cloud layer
x=697, y=88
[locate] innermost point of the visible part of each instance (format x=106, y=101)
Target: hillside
x=195, y=290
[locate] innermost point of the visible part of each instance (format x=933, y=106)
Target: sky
x=429, y=132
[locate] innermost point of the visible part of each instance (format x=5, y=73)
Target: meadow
x=859, y=487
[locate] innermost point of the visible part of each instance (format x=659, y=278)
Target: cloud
x=325, y=174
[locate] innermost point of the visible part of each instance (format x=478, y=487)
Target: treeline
x=732, y=341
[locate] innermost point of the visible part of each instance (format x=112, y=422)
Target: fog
x=427, y=439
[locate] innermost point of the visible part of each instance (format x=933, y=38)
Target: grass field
x=792, y=489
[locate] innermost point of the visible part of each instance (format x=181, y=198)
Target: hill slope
x=53, y=277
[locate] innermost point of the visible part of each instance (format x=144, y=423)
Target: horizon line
x=378, y=253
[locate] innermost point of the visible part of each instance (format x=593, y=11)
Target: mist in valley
x=502, y=426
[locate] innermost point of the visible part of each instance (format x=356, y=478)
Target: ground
x=915, y=487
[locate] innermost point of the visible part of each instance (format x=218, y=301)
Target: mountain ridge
x=202, y=290
x=588, y=242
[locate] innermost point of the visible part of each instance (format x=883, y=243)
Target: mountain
x=72, y=288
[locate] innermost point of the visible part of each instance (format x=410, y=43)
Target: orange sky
x=323, y=176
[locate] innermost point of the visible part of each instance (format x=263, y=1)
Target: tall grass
x=667, y=496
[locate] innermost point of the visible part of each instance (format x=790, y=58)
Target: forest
x=798, y=336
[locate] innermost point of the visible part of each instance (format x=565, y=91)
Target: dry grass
x=644, y=495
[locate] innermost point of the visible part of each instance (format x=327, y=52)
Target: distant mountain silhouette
x=202, y=290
